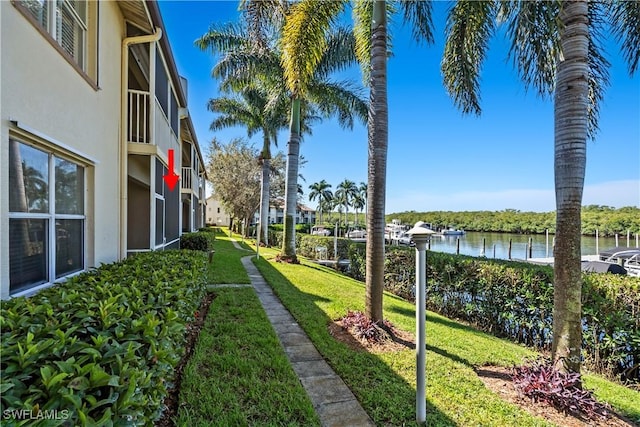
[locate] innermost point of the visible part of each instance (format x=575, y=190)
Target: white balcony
x=138, y=116
x=188, y=179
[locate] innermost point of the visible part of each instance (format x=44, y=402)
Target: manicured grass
x=226, y=266
x=239, y=373
x=385, y=383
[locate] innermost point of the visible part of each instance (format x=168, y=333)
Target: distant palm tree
x=345, y=192
x=321, y=191
x=362, y=189
x=358, y=203
x=556, y=47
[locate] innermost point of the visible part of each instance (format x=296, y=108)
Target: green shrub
x=197, y=241
x=515, y=300
x=100, y=348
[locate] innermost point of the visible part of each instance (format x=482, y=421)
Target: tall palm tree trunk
x=264, y=195
x=571, y=129
x=291, y=189
x=377, y=164
x=264, y=202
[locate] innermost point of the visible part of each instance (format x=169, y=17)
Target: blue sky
x=438, y=158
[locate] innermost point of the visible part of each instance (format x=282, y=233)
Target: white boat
x=357, y=234
x=394, y=230
x=318, y=230
x=628, y=258
x=452, y=232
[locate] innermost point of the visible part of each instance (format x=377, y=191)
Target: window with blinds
x=65, y=21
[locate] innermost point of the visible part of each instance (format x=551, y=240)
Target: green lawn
x=238, y=359
x=383, y=383
x=226, y=266
x=238, y=373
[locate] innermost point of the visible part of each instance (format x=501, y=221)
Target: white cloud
x=612, y=193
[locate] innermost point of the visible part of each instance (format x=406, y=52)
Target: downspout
x=124, y=149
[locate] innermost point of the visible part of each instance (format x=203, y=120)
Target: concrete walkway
x=334, y=403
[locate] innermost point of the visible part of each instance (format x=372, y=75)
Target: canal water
x=497, y=244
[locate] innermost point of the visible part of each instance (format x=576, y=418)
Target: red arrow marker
x=171, y=179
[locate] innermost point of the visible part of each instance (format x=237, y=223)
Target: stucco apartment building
x=216, y=214
x=91, y=107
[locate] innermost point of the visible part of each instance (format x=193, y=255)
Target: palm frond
x=470, y=25
x=598, y=64
x=625, y=22
x=338, y=55
x=342, y=99
x=362, y=17
x=263, y=17
x=303, y=40
x=533, y=27
x=224, y=38
x=418, y=15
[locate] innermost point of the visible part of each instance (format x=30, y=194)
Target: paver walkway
x=334, y=403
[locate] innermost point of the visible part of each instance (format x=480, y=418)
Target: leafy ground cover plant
x=365, y=328
x=100, y=349
x=541, y=381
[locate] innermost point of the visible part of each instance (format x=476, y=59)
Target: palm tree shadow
x=357, y=366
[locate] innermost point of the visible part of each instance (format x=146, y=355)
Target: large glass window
x=65, y=21
x=46, y=216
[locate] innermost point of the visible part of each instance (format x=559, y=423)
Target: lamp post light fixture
x=420, y=235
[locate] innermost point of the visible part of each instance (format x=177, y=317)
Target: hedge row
x=201, y=240
x=515, y=300
x=100, y=349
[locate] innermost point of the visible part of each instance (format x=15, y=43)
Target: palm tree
x=358, y=203
x=362, y=191
x=345, y=193
x=311, y=54
x=371, y=35
x=556, y=47
x=303, y=41
x=252, y=110
x=250, y=67
x=321, y=191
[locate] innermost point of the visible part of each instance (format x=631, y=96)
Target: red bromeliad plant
x=542, y=381
x=365, y=328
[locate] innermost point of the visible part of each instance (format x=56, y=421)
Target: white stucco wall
x=41, y=90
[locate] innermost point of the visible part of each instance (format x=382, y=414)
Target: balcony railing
x=138, y=116
x=188, y=179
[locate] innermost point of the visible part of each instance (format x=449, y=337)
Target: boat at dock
x=452, y=232
x=627, y=258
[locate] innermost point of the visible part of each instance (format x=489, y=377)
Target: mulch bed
x=172, y=401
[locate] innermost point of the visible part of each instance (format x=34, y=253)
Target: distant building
x=216, y=215
x=304, y=214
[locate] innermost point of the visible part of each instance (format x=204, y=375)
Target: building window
x=46, y=217
x=65, y=21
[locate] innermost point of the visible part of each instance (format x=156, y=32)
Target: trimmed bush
x=100, y=349
x=198, y=241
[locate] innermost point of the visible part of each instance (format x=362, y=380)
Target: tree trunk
x=291, y=189
x=571, y=127
x=264, y=195
x=377, y=164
